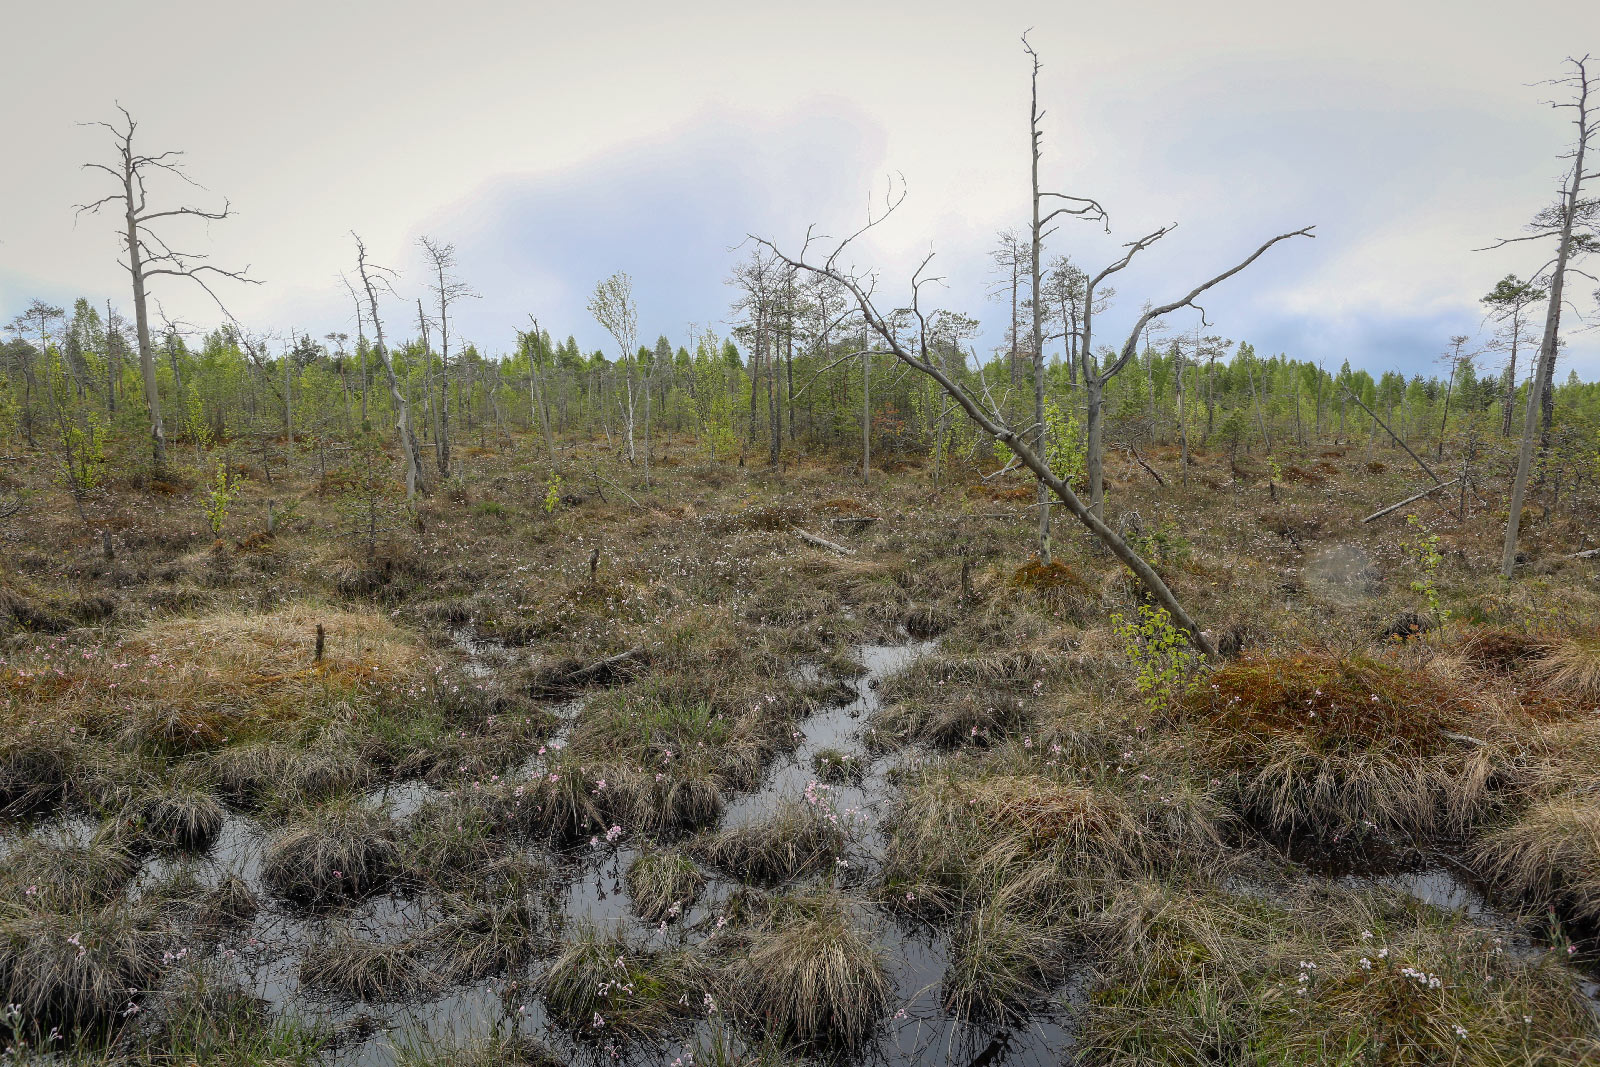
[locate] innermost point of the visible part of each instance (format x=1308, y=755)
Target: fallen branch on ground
x=1409, y=499
x=822, y=542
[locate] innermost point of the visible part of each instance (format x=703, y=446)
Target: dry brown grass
x=193, y=682
x=1549, y=856
x=1336, y=747
x=1573, y=667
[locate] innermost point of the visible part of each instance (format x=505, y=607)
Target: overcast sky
x=554, y=144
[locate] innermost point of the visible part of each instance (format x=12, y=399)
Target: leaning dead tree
x=1562, y=222
x=149, y=255
x=916, y=351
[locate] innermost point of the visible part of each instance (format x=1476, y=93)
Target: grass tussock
x=1550, y=855
x=350, y=967
x=1202, y=976
x=180, y=816
x=602, y=985
x=1573, y=667
x=500, y=1048
x=838, y=767
x=184, y=684
x=65, y=875
x=802, y=836
x=1005, y=957
x=810, y=974
x=35, y=763
x=662, y=883
x=495, y=921
x=76, y=969
x=1337, y=747
x=961, y=828
x=338, y=852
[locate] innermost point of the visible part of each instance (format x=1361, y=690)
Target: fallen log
x=1134, y=452
x=1593, y=553
x=1409, y=499
x=1396, y=437
x=601, y=665
x=822, y=542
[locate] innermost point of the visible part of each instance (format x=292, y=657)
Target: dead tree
x=533, y=343
x=917, y=353
x=372, y=279
x=447, y=289
x=1559, y=221
x=148, y=253
x=1077, y=206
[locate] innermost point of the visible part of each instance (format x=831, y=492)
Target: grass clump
x=76, y=969
x=963, y=826
x=1572, y=667
x=837, y=767
x=500, y=1048
x=353, y=968
x=811, y=975
x=193, y=683
x=662, y=883
x=179, y=816
x=339, y=852
x=1336, y=747
x=1197, y=975
x=496, y=922
x=1005, y=957
x=1549, y=855
x=602, y=985
x=801, y=836
x=66, y=875
x=34, y=768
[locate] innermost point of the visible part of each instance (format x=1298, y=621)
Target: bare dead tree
x=1560, y=222
x=1070, y=206
x=917, y=353
x=149, y=255
x=1095, y=379
x=532, y=341
x=374, y=278
x=1009, y=259
x=447, y=289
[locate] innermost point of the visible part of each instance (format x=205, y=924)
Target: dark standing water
x=266, y=956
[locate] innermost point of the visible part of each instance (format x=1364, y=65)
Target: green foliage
x=214, y=499
x=1168, y=667
x=83, y=452
x=1163, y=546
x=1065, y=449
x=552, y=493
x=1424, y=551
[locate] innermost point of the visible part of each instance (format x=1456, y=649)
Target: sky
x=555, y=144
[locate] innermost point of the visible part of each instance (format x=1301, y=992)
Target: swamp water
x=265, y=954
